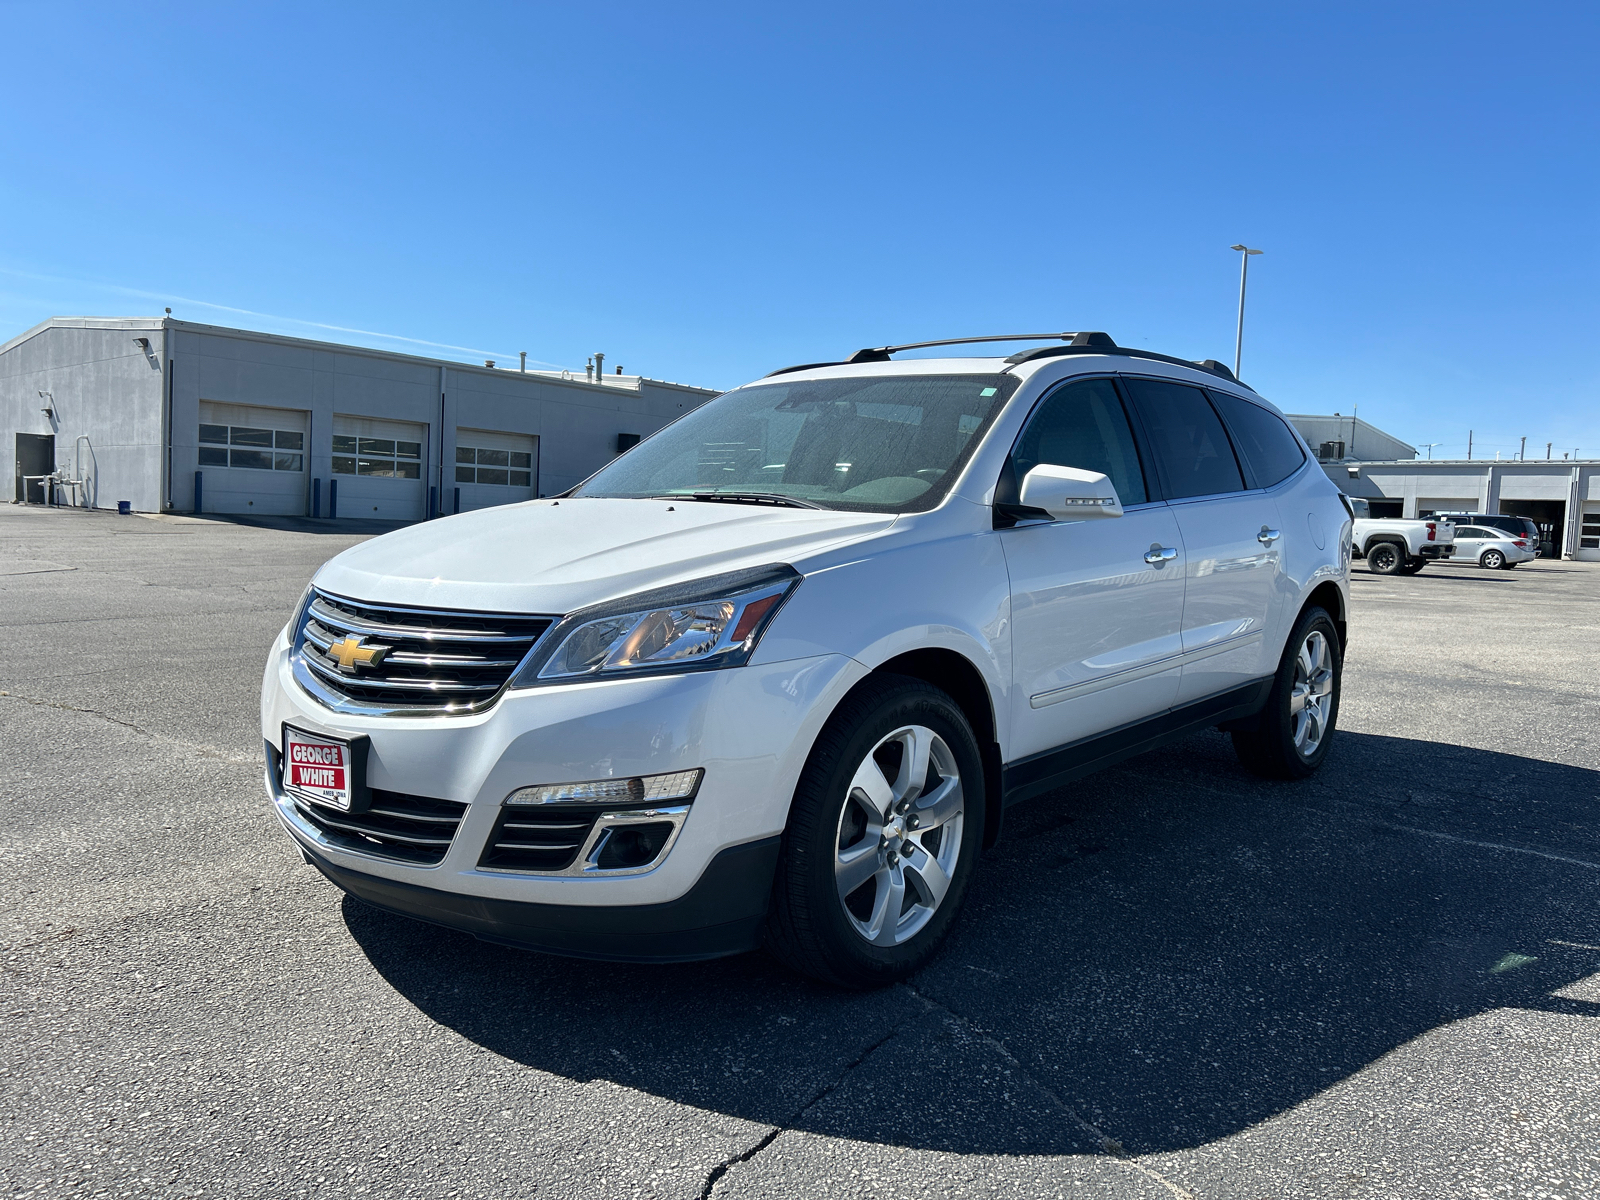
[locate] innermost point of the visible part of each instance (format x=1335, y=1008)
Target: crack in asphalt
x=1109, y=1146
x=1368, y=811
x=722, y=1168
x=228, y=756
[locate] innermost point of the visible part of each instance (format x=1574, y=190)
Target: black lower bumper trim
x=723, y=913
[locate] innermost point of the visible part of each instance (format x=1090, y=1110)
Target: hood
x=554, y=556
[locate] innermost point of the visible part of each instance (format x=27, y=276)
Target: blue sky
x=707, y=192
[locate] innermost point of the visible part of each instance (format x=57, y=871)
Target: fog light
x=646, y=789
x=633, y=845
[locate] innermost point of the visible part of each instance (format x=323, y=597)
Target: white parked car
x=1493, y=548
x=774, y=674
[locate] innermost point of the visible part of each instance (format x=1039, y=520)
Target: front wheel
x=1492, y=560
x=1295, y=728
x=883, y=836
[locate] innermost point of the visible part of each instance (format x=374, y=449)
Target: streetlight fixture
x=1244, y=272
x=1428, y=446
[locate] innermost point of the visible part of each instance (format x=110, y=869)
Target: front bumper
x=750, y=728
x=723, y=913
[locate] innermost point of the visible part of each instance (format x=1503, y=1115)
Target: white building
x=174, y=416
x=1562, y=495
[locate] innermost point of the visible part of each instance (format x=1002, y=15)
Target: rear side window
x=1082, y=425
x=1266, y=443
x=1189, y=443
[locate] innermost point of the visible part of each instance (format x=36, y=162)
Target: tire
x=874, y=865
x=1413, y=566
x=1297, y=724
x=1385, y=558
x=1492, y=560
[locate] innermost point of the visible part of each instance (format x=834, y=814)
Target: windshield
x=879, y=444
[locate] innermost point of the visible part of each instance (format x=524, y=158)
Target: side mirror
x=1068, y=494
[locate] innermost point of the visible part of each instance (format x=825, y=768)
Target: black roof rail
x=1085, y=342
x=1209, y=365
x=798, y=367
x=883, y=353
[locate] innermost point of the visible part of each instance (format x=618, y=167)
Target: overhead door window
x=252, y=439
x=498, y=459
x=1589, y=534
x=380, y=449
x=1190, y=446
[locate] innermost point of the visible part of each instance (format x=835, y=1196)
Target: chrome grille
x=358, y=656
x=413, y=829
x=538, y=838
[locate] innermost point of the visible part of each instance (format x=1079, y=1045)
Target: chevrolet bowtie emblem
x=353, y=652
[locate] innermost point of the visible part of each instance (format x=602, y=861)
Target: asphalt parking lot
x=1173, y=980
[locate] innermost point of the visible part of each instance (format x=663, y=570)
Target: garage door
x=253, y=459
x=1589, y=533
x=495, y=468
x=378, y=467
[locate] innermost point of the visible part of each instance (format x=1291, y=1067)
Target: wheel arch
x=959, y=678
x=1393, y=539
x=1327, y=595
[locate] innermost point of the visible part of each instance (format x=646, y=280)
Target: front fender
x=949, y=593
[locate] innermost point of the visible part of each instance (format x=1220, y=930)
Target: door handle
x=1267, y=536
x=1158, y=554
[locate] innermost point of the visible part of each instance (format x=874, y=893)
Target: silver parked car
x=1493, y=548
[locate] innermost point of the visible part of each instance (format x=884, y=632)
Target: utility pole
x=1244, y=273
x=1428, y=446
x=1469, y=445
x=1522, y=454
x=1547, y=446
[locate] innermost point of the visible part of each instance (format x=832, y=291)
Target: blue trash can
x=124, y=508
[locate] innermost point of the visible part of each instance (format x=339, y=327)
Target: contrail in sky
x=246, y=312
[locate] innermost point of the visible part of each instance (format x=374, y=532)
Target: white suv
x=774, y=674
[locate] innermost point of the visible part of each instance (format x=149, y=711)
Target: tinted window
x=1083, y=425
x=1469, y=531
x=1266, y=443
x=1187, y=437
x=877, y=443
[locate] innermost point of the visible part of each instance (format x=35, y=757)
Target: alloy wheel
x=899, y=836
x=1311, y=697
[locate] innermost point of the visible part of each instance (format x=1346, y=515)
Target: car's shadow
x=1173, y=951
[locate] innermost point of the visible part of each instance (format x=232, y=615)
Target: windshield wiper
x=772, y=498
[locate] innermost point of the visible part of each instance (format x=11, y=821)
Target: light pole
x=1428, y=446
x=1244, y=273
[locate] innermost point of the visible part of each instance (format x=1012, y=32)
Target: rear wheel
x=1294, y=730
x=883, y=835
x=1385, y=559
x=1492, y=560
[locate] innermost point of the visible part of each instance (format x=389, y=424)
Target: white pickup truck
x=1393, y=546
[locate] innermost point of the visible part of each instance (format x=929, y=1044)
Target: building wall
x=104, y=387
x=1362, y=441
x=1490, y=487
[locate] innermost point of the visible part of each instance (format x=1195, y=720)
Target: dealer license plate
x=318, y=767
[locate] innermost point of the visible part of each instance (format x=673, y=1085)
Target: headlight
x=701, y=626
